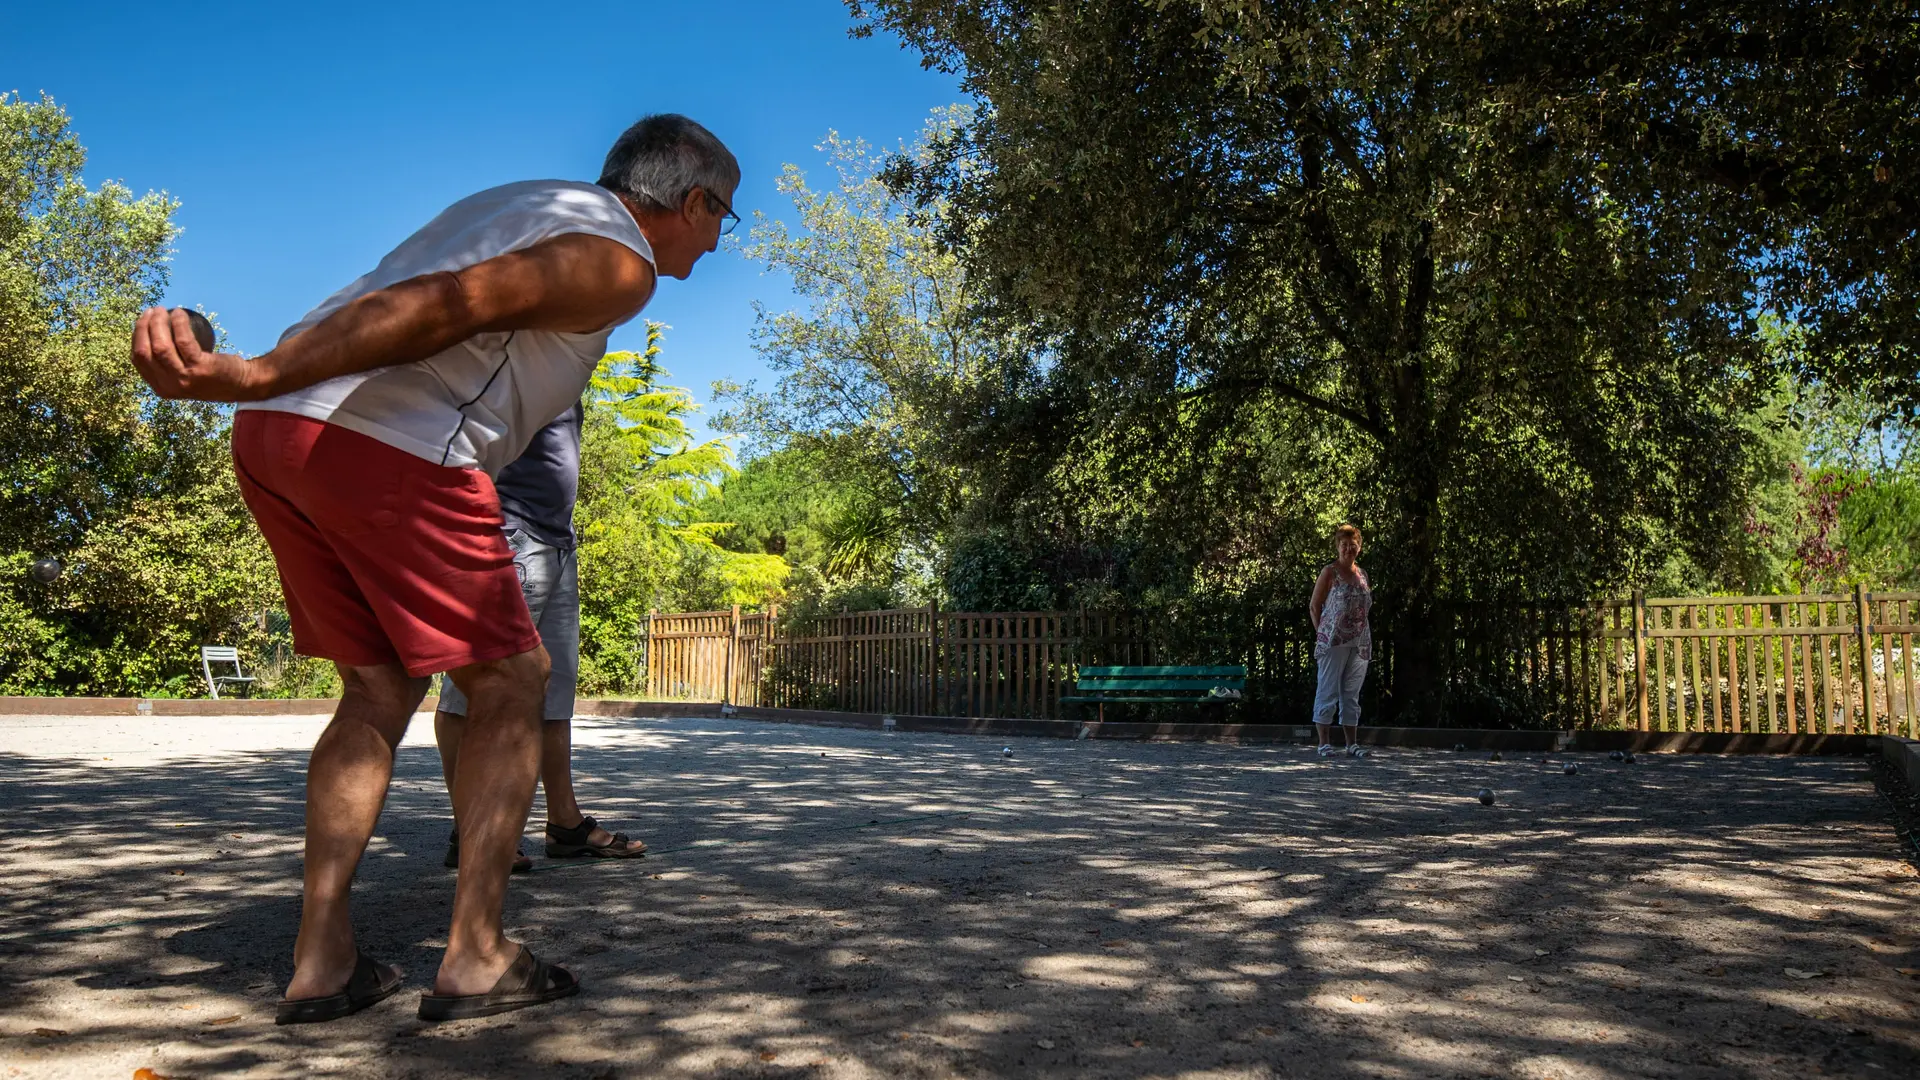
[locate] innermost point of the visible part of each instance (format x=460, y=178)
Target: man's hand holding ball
x=174, y=352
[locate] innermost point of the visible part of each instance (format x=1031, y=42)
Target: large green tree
x=643, y=542
x=1513, y=250
x=134, y=495
x=875, y=373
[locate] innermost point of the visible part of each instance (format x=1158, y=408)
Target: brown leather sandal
x=529, y=980
x=370, y=982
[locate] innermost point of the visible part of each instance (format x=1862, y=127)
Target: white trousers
x=1342, y=672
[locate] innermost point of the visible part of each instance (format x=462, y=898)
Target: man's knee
x=386, y=686
x=382, y=697
x=516, y=675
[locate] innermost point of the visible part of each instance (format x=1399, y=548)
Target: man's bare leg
x=447, y=730
x=556, y=775
x=556, y=769
x=346, y=786
x=497, y=763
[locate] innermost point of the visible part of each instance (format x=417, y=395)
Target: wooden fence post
x=646, y=676
x=733, y=647
x=1865, y=629
x=769, y=655
x=1640, y=653
x=933, y=659
x=846, y=661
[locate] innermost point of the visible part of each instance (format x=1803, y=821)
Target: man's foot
x=1326, y=749
x=370, y=982
x=325, y=956
x=589, y=839
x=474, y=972
x=529, y=980
x=1356, y=750
x=522, y=862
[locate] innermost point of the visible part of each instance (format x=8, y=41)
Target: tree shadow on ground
x=841, y=903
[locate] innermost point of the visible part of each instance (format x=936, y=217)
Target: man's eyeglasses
x=717, y=205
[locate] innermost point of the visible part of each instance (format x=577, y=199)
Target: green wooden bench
x=1175, y=685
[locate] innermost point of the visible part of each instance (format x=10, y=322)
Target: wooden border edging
x=665, y=710
x=1904, y=756
x=127, y=706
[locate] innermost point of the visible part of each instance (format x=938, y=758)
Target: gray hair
x=660, y=160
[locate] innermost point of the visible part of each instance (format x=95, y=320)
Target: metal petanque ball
x=1628, y=758
x=1616, y=756
x=1006, y=751
x=1571, y=768
x=1495, y=756
x=1459, y=748
x=202, y=329
x=45, y=570
x=1486, y=796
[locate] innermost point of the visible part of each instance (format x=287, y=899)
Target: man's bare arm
x=573, y=283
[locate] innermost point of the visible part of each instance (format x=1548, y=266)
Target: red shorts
x=383, y=557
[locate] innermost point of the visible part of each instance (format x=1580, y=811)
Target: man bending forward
x=365, y=449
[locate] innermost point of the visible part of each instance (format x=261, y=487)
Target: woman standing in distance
x=1342, y=641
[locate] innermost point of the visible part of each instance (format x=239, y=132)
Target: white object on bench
x=221, y=654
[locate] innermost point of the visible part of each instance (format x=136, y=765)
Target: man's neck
x=653, y=224
x=627, y=202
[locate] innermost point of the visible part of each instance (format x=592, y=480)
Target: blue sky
x=304, y=141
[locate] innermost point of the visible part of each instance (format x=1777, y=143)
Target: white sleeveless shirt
x=475, y=405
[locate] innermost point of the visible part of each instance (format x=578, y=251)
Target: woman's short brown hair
x=1343, y=532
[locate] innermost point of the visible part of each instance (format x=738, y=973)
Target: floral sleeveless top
x=1343, y=618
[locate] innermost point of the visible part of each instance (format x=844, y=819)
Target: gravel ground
x=838, y=903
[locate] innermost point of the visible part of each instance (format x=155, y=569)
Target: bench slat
x=1110, y=700
x=1200, y=685
x=1213, y=671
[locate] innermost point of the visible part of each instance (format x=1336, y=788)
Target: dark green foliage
x=1495, y=266
x=991, y=571
x=134, y=495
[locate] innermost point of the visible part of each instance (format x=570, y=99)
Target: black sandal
x=565, y=843
x=529, y=980
x=370, y=982
x=522, y=862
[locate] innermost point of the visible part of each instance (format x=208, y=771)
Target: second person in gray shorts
x=537, y=494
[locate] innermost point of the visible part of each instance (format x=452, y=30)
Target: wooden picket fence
x=1762, y=664
x=908, y=660
x=708, y=655
x=1814, y=663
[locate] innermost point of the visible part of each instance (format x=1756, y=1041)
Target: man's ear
x=696, y=199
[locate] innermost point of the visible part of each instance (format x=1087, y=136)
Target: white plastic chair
x=222, y=654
